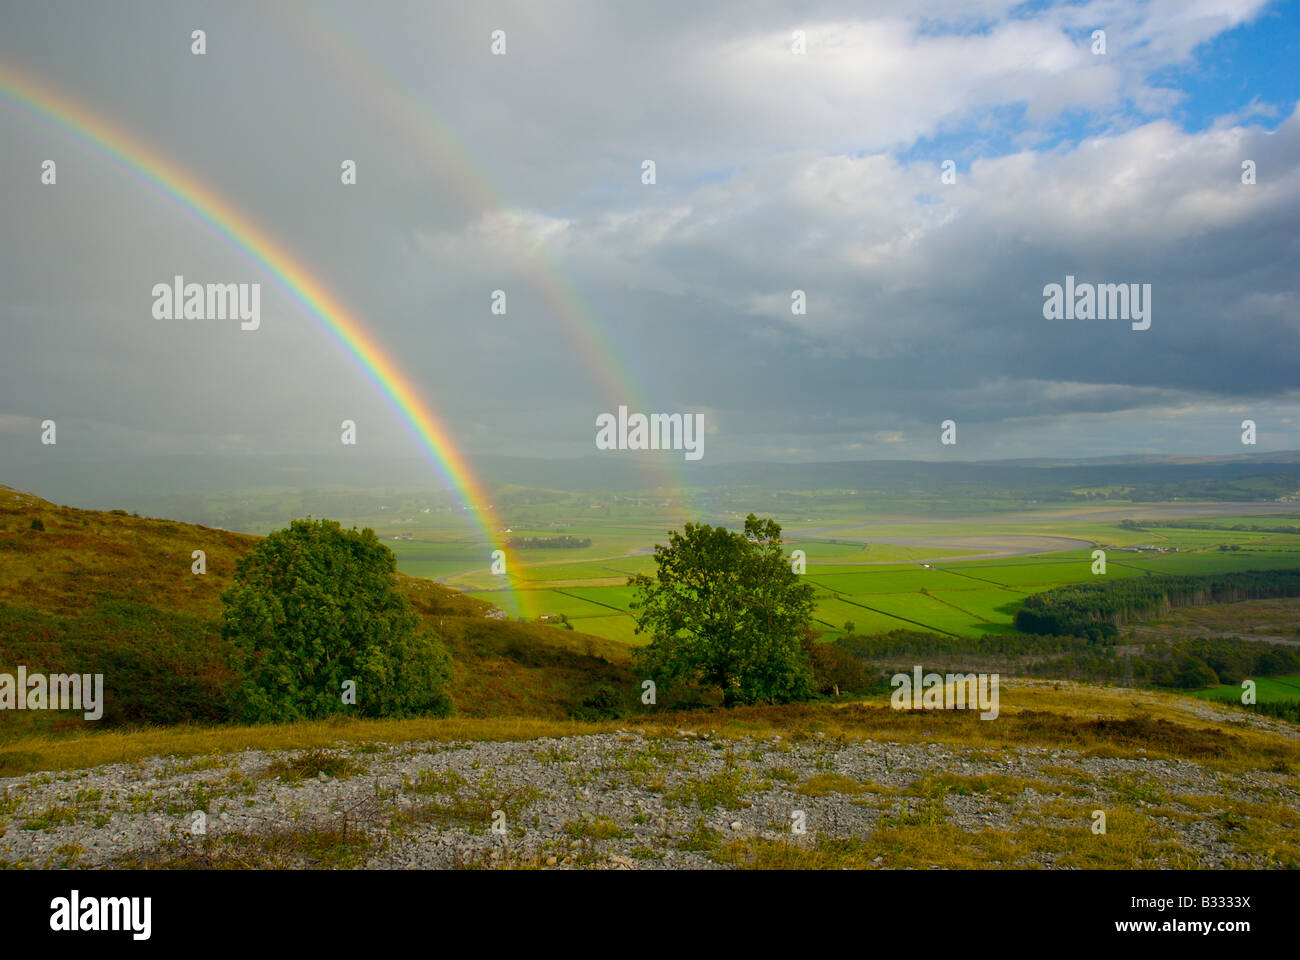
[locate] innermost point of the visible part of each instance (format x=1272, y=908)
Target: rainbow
x=384, y=96
x=42, y=101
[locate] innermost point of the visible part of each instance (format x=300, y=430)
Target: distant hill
x=149, y=484
x=108, y=592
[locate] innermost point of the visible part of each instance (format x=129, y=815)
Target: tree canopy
x=1099, y=608
x=726, y=611
x=315, y=606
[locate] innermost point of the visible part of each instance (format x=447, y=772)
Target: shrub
x=1194, y=673
x=601, y=702
x=834, y=668
x=315, y=606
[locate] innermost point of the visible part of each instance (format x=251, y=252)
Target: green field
x=992, y=606
x=826, y=551
x=1208, y=562
x=1051, y=571
x=833, y=613
x=876, y=586
x=618, y=567
x=1267, y=690
x=861, y=581
x=620, y=597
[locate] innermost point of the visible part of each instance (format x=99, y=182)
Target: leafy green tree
x=314, y=606
x=1195, y=673
x=725, y=610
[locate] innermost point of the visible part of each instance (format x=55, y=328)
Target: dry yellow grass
x=1096, y=721
x=126, y=746
x=1132, y=841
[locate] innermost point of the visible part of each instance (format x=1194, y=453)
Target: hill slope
x=107, y=592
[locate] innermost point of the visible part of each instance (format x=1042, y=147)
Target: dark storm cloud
x=775, y=173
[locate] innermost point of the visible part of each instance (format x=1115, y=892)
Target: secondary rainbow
x=385, y=97
x=36, y=98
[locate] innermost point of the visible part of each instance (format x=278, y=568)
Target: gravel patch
x=611, y=801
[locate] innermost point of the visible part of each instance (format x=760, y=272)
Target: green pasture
x=1036, y=577
x=1211, y=561
x=833, y=613
x=613, y=627
x=1267, y=690
x=878, y=587
x=620, y=567
x=832, y=551
x=619, y=597
x=990, y=606
x=870, y=580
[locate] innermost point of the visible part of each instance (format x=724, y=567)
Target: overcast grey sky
x=775, y=172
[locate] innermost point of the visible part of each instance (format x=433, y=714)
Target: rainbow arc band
x=35, y=98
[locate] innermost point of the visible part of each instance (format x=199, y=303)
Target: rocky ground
x=622, y=801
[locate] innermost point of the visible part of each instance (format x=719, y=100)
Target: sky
x=775, y=171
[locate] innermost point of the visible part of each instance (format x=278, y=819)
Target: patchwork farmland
x=967, y=581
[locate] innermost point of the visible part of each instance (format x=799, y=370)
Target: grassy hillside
x=112, y=593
